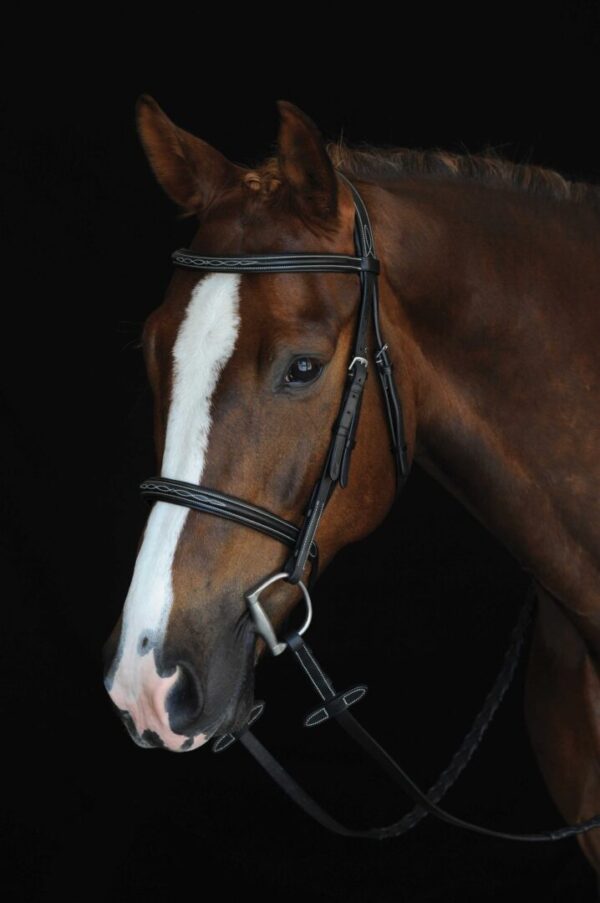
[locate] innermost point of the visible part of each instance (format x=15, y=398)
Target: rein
x=301, y=540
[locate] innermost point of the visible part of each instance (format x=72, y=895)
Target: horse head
x=247, y=370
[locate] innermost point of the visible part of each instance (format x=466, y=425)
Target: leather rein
x=304, y=550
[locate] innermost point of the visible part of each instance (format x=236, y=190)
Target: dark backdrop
x=421, y=611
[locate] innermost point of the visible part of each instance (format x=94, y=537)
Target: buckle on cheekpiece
x=334, y=706
x=225, y=740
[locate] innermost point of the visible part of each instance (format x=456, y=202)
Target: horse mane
x=381, y=164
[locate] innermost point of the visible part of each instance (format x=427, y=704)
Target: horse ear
x=189, y=170
x=304, y=162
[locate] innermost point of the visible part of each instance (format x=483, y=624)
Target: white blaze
x=204, y=344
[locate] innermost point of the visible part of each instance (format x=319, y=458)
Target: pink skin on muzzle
x=143, y=695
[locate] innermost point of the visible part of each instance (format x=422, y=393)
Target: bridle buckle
x=380, y=354
x=362, y=360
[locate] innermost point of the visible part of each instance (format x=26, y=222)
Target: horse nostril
x=185, y=701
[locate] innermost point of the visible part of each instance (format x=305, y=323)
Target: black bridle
x=301, y=540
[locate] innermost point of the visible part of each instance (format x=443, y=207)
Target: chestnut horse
x=489, y=293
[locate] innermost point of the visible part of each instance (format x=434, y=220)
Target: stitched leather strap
x=335, y=705
x=298, y=262
x=200, y=498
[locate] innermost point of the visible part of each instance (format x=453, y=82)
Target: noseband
x=301, y=540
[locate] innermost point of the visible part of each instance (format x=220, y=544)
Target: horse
x=489, y=301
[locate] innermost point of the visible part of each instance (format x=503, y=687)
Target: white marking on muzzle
x=205, y=342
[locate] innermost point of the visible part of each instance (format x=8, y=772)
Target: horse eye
x=303, y=370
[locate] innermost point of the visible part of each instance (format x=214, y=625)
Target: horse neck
x=495, y=317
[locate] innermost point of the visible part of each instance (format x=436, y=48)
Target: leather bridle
x=337, y=460
x=301, y=541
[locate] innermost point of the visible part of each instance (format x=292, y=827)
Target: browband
x=300, y=262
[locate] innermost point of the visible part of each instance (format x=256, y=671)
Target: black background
x=420, y=611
